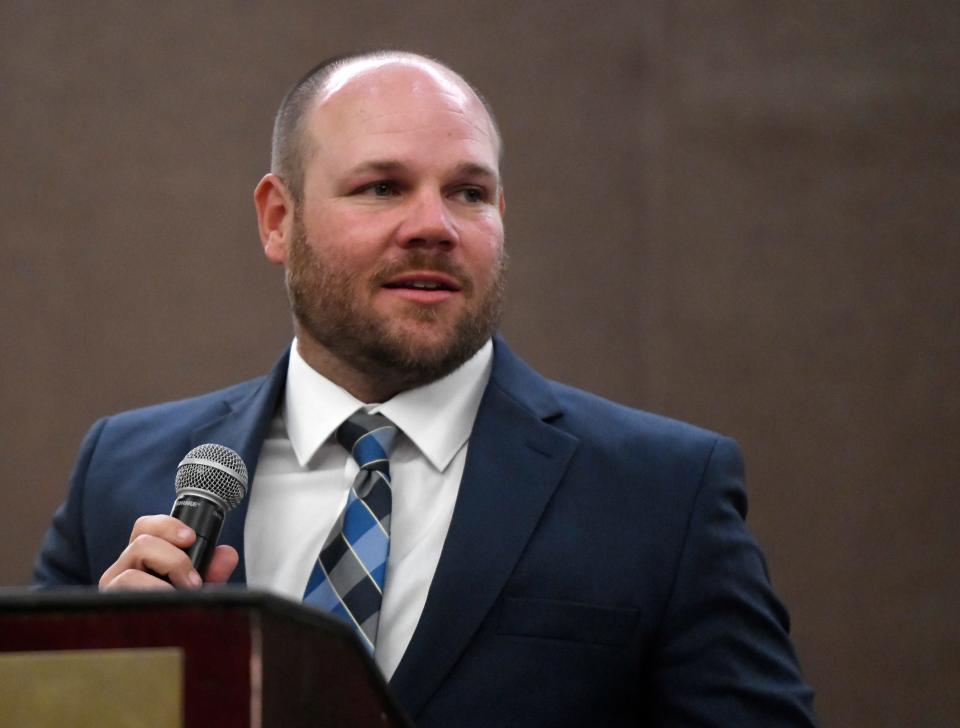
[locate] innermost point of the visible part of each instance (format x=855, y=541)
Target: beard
x=327, y=305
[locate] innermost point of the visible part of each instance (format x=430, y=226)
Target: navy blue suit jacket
x=597, y=571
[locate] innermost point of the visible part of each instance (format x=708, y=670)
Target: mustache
x=421, y=261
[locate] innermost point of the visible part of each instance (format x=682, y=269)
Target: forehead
x=371, y=71
x=390, y=104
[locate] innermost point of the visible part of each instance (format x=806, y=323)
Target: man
x=554, y=559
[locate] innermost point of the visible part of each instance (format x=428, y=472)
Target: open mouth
x=423, y=282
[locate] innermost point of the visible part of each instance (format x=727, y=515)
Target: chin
x=421, y=347
x=418, y=355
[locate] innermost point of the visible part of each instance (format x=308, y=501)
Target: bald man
x=554, y=559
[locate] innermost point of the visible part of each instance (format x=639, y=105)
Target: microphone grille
x=213, y=470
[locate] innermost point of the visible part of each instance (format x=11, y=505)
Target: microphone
x=211, y=480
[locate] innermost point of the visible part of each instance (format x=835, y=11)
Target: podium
x=210, y=658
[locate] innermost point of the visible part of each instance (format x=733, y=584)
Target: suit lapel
x=243, y=429
x=514, y=463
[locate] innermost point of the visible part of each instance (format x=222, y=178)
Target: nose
x=428, y=223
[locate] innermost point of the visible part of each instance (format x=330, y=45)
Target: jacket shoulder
x=182, y=413
x=590, y=416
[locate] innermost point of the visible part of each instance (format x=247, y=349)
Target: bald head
x=293, y=145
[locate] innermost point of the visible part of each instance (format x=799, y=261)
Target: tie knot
x=368, y=438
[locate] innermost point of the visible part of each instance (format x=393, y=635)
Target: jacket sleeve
x=724, y=654
x=62, y=560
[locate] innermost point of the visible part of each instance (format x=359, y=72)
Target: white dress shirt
x=303, y=478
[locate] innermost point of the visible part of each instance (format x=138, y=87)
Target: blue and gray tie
x=347, y=579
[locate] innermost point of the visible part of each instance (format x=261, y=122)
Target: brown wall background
x=740, y=213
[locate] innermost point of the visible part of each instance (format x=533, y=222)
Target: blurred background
x=738, y=213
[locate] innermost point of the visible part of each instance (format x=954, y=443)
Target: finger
x=224, y=561
x=131, y=579
x=156, y=558
x=167, y=528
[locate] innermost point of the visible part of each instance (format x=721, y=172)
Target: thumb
x=224, y=561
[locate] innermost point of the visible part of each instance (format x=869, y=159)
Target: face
x=395, y=268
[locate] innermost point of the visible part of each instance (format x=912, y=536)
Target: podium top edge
x=86, y=598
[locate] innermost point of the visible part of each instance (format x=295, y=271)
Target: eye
x=380, y=189
x=472, y=195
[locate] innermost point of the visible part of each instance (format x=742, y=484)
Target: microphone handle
x=206, y=518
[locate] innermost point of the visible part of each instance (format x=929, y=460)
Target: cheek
x=345, y=240
x=487, y=249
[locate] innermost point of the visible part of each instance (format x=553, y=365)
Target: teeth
x=425, y=285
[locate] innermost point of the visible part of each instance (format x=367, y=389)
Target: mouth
x=423, y=288
x=424, y=281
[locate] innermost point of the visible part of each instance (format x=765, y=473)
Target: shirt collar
x=437, y=417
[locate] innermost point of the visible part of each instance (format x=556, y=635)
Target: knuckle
x=111, y=582
x=142, y=540
x=154, y=523
x=142, y=523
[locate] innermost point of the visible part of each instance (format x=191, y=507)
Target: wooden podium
x=216, y=657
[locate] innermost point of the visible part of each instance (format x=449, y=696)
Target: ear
x=275, y=211
x=503, y=202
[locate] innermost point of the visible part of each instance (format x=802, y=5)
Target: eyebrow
x=387, y=166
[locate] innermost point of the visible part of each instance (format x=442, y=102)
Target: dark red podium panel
x=245, y=659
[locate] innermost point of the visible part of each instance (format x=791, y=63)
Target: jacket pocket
x=574, y=621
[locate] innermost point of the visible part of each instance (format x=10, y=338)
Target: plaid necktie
x=347, y=579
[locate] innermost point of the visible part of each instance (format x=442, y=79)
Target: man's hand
x=156, y=551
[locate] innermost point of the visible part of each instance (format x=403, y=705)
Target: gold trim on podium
x=109, y=688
